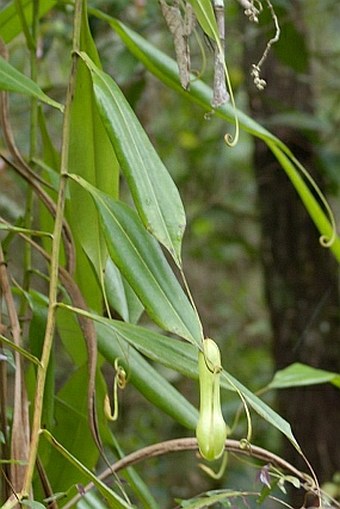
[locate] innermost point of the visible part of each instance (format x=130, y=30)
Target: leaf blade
x=165, y=69
x=13, y=80
x=154, y=192
x=298, y=375
x=95, y=162
x=147, y=379
x=206, y=18
x=10, y=25
x=141, y=261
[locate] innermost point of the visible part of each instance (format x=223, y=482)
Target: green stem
x=34, y=75
x=53, y=288
x=32, y=44
x=28, y=36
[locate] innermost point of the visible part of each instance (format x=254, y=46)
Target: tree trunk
x=301, y=277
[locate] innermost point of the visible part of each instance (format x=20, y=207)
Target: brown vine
x=190, y=444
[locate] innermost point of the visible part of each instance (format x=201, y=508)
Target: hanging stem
x=33, y=150
x=54, y=268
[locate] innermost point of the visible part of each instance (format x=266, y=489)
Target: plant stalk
x=54, y=267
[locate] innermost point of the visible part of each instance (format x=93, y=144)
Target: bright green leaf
x=211, y=498
x=206, y=17
x=181, y=357
x=145, y=378
x=165, y=69
x=170, y=352
x=297, y=375
x=18, y=348
x=155, y=194
x=90, y=155
x=10, y=25
x=71, y=414
x=120, y=295
x=141, y=261
x=307, y=197
x=113, y=500
x=262, y=409
x=13, y=80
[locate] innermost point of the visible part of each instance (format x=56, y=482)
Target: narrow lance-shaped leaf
x=165, y=69
x=90, y=155
x=79, y=443
x=120, y=295
x=112, y=499
x=154, y=192
x=297, y=375
x=13, y=80
x=182, y=357
x=10, y=25
x=262, y=409
x=143, y=264
x=206, y=17
x=146, y=378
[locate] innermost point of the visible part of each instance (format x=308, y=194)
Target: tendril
x=231, y=140
x=325, y=240
x=119, y=382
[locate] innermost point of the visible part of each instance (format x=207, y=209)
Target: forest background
x=264, y=287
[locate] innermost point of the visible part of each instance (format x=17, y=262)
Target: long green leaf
x=143, y=264
x=206, y=17
x=18, y=348
x=113, y=500
x=298, y=375
x=312, y=206
x=145, y=378
x=120, y=295
x=154, y=192
x=13, y=80
x=165, y=69
x=10, y=25
x=71, y=414
x=153, y=386
x=90, y=155
x=170, y=352
x=181, y=357
x=262, y=409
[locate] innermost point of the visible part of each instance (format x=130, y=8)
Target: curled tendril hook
x=325, y=240
x=230, y=140
x=119, y=382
